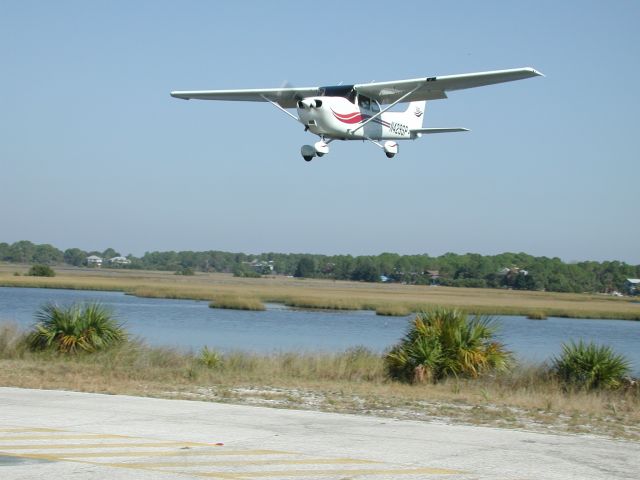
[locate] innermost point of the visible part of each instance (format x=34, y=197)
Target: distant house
x=513, y=271
x=632, y=286
x=262, y=267
x=119, y=261
x=94, y=261
x=434, y=276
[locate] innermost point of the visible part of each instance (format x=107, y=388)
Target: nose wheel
x=308, y=152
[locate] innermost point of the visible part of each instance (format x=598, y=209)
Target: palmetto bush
x=444, y=342
x=80, y=327
x=209, y=358
x=590, y=366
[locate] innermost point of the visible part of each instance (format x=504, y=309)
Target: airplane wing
x=429, y=88
x=285, y=97
x=433, y=88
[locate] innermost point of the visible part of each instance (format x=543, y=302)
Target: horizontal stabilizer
x=417, y=132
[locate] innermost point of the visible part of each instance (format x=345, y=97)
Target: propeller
x=287, y=84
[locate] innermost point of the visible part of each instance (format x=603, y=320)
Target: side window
x=364, y=102
x=375, y=106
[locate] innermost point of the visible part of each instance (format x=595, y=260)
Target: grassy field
x=351, y=382
x=386, y=299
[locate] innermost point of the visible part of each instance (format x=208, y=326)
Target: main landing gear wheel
x=390, y=149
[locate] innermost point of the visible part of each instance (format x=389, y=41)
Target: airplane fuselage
x=339, y=118
x=352, y=111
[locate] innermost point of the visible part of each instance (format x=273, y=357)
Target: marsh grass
x=324, y=303
x=539, y=315
x=237, y=303
x=329, y=294
x=393, y=310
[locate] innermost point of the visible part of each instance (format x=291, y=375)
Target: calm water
x=191, y=325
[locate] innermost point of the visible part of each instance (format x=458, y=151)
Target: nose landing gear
x=308, y=152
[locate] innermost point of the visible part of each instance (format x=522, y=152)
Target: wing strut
x=373, y=117
x=266, y=99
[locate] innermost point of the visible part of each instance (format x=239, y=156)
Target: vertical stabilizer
x=415, y=114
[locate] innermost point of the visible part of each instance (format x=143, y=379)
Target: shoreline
x=392, y=299
x=397, y=309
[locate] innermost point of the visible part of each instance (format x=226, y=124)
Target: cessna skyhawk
x=361, y=111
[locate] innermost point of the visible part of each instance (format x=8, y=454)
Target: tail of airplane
x=414, y=116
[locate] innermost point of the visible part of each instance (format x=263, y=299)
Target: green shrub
x=40, y=270
x=210, y=358
x=590, y=366
x=445, y=342
x=89, y=328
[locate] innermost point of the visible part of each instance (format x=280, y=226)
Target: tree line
x=507, y=270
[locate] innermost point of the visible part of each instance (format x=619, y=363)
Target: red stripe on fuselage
x=356, y=117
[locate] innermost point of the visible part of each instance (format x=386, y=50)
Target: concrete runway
x=54, y=434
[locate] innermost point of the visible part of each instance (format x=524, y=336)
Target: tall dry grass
x=329, y=294
x=12, y=341
x=324, y=303
x=235, y=302
x=350, y=381
x=393, y=310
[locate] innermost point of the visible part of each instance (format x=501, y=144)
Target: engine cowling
x=308, y=103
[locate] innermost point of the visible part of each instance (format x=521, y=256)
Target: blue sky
x=95, y=152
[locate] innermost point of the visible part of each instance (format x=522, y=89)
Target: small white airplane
x=355, y=112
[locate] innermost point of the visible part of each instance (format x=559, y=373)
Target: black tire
x=307, y=158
